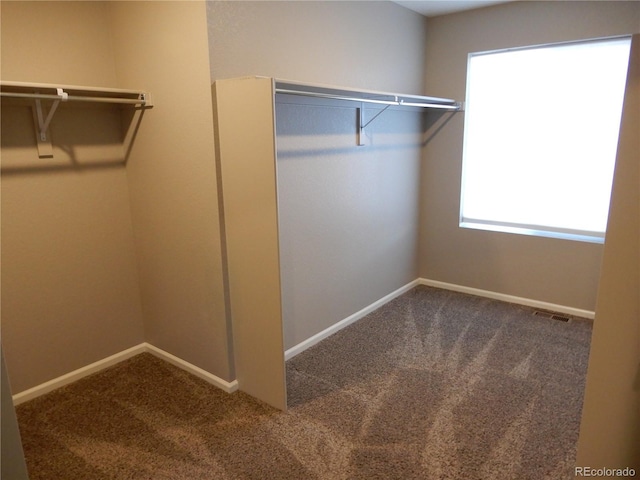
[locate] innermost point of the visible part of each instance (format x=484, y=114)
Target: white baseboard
x=228, y=387
x=76, y=375
x=302, y=346
x=232, y=386
x=318, y=337
x=509, y=298
x=95, y=367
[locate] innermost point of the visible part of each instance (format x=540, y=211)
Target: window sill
x=589, y=237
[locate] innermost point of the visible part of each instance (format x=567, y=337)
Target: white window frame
x=516, y=227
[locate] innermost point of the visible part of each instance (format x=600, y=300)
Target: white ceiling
x=442, y=7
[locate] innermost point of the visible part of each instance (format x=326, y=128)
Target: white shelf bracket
x=44, y=124
x=42, y=93
x=361, y=137
x=45, y=148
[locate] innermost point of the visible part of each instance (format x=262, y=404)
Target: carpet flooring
x=433, y=385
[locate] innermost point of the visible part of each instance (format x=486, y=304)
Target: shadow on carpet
x=433, y=385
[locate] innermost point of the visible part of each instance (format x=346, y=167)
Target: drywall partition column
x=245, y=147
x=610, y=430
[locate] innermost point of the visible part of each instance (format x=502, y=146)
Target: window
x=541, y=133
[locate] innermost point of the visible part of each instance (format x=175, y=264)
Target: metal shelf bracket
x=42, y=91
x=362, y=138
x=43, y=140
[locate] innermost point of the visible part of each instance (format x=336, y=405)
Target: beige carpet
x=434, y=385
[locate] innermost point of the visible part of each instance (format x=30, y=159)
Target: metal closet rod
x=76, y=98
x=397, y=102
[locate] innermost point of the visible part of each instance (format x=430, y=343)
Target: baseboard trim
x=509, y=298
x=318, y=337
x=76, y=375
x=228, y=387
x=232, y=386
x=96, y=367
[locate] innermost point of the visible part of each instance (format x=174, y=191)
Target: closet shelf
x=364, y=96
x=383, y=99
x=66, y=93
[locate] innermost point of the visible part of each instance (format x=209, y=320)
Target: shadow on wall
x=332, y=128
x=95, y=136
x=434, y=122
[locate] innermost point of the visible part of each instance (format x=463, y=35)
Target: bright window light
x=540, y=141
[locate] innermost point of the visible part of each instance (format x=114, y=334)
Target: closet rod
x=396, y=102
x=74, y=98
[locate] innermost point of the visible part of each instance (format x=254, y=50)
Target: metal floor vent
x=551, y=315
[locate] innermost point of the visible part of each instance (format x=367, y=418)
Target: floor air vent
x=551, y=315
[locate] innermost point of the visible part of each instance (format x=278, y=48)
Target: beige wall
x=57, y=42
x=556, y=271
x=348, y=214
x=98, y=256
x=374, y=45
x=70, y=291
x=163, y=48
x=610, y=433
